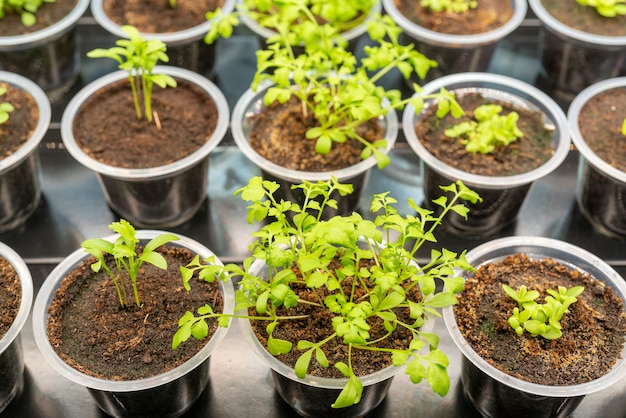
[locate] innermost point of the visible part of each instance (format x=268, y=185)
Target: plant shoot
x=25, y=8
x=606, y=8
x=449, y=6
x=5, y=107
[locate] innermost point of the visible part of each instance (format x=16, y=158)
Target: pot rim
x=73, y=107
x=457, y=41
x=541, y=247
x=577, y=138
x=48, y=33
x=26, y=282
x=172, y=39
x=54, y=280
x=45, y=112
x=501, y=87
x=251, y=103
x=558, y=27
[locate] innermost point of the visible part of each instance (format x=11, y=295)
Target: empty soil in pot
x=22, y=121
x=92, y=333
x=585, y=18
x=10, y=296
x=525, y=154
x=489, y=15
x=47, y=15
x=593, y=330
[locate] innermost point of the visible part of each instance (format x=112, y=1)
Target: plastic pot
x=502, y=196
x=163, y=196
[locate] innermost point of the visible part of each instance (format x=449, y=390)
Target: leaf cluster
x=299, y=248
x=124, y=251
x=488, y=130
x=606, y=8
x=138, y=56
x=26, y=9
x=5, y=107
x=541, y=319
x=450, y=6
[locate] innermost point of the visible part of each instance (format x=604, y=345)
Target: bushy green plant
x=454, y=6
x=138, y=56
x=26, y=9
x=606, y=8
x=379, y=259
x=5, y=107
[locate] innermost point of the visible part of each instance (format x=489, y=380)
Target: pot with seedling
x=152, y=162
x=597, y=121
x=129, y=284
x=461, y=35
x=337, y=307
x=499, y=149
x=38, y=41
x=540, y=324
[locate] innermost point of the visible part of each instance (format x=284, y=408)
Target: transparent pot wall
x=20, y=192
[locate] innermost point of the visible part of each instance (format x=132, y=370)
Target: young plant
x=26, y=9
x=624, y=127
x=173, y=4
x=541, y=319
x=606, y=8
x=449, y=6
x=127, y=262
x=5, y=107
x=361, y=271
x=138, y=57
x=488, y=131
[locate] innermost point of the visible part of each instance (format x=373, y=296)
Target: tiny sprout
x=124, y=251
x=455, y=6
x=26, y=9
x=606, y=8
x=5, y=107
x=624, y=127
x=488, y=130
x=173, y=4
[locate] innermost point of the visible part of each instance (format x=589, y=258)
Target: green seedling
x=624, y=127
x=173, y=4
x=138, y=57
x=25, y=8
x=451, y=6
x=541, y=319
x=299, y=248
x=5, y=107
x=606, y=8
x=488, y=131
x=127, y=262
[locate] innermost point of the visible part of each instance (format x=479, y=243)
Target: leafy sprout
x=453, y=6
x=124, y=251
x=26, y=9
x=624, y=127
x=488, y=130
x=377, y=260
x=541, y=319
x=606, y=8
x=5, y=107
x=173, y=4
x=138, y=57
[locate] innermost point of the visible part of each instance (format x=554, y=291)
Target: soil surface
x=585, y=18
x=525, y=154
x=600, y=122
x=22, y=121
x=593, y=330
x=92, y=333
x=108, y=130
x=10, y=295
x=278, y=134
x=489, y=15
x=156, y=16
x=48, y=14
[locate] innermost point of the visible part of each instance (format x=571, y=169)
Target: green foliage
x=299, y=248
x=26, y=9
x=138, y=57
x=606, y=8
x=453, y=6
x=5, y=107
x=488, y=131
x=541, y=319
x=124, y=251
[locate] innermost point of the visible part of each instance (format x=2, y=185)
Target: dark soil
x=92, y=333
x=108, y=130
x=10, y=295
x=593, y=330
x=278, y=134
x=48, y=14
x=22, y=121
x=525, y=154
x=156, y=16
x=600, y=123
x=585, y=18
x=489, y=15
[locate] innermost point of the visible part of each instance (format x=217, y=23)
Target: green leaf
x=302, y=364
x=277, y=346
x=438, y=379
x=200, y=330
x=350, y=394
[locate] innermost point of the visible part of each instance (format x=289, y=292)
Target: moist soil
x=22, y=121
x=600, y=122
x=525, y=154
x=585, y=18
x=92, y=333
x=107, y=128
x=278, y=134
x=156, y=16
x=48, y=14
x=489, y=15
x=10, y=295
x=593, y=330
